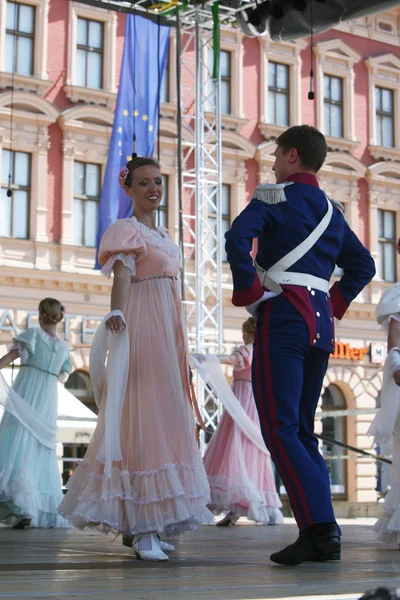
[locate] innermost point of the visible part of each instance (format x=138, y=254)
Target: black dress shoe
x=317, y=543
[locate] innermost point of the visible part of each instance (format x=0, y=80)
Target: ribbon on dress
x=29, y=417
x=382, y=427
x=212, y=374
x=109, y=376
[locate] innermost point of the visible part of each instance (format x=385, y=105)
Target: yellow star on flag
x=119, y=129
x=145, y=118
x=135, y=113
x=125, y=113
x=151, y=127
x=128, y=158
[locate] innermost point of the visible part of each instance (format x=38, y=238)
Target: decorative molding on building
x=93, y=283
x=90, y=96
x=384, y=27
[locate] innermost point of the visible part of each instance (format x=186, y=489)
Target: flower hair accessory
x=122, y=176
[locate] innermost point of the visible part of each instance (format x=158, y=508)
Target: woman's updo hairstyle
x=125, y=176
x=250, y=326
x=51, y=311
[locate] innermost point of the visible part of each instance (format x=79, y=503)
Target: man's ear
x=293, y=156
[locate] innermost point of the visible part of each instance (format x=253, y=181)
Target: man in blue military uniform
x=301, y=236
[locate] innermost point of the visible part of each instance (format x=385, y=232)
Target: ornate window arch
x=339, y=178
x=86, y=138
x=32, y=117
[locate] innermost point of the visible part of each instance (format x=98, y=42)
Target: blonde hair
x=250, y=326
x=51, y=311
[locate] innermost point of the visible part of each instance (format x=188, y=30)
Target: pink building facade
x=63, y=58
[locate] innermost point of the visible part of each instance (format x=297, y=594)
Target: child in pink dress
x=159, y=485
x=240, y=476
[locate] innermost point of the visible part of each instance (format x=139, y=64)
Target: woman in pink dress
x=159, y=485
x=241, y=479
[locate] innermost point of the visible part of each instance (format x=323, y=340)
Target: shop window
x=334, y=427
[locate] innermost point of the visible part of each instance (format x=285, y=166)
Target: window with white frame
x=162, y=211
x=14, y=209
x=89, y=54
x=333, y=106
x=335, y=97
x=91, y=67
x=87, y=187
x=280, y=91
x=386, y=266
x=225, y=68
x=225, y=224
x=278, y=94
x=20, y=38
x=384, y=107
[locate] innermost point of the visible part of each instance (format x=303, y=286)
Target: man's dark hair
x=309, y=142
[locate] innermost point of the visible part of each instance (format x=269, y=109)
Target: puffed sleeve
x=25, y=343
x=66, y=369
x=240, y=358
x=388, y=307
x=121, y=241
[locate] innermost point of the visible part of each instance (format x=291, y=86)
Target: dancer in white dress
x=386, y=426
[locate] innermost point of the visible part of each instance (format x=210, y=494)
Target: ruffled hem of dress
x=168, y=527
x=257, y=505
x=388, y=528
x=19, y=498
x=171, y=500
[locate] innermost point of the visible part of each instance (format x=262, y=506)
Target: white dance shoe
x=128, y=541
x=165, y=547
x=147, y=547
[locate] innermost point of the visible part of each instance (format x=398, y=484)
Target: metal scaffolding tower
x=201, y=194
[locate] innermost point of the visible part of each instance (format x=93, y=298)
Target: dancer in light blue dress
x=30, y=483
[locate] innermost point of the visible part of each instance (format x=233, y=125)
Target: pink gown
x=240, y=475
x=160, y=484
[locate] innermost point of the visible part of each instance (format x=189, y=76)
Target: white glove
x=252, y=308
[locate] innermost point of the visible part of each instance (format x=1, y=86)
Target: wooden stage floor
x=212, y=563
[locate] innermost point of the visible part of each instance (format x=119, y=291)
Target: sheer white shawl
x=109, y=376
x=29, y=417
x=212, y=374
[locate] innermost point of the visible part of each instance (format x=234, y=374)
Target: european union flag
x=136, y=112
